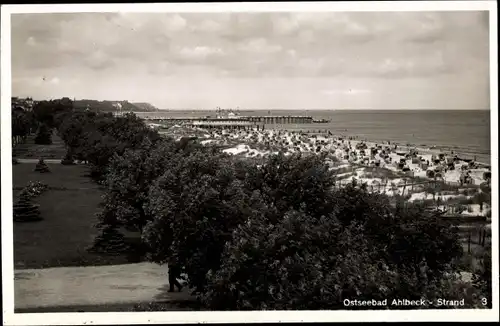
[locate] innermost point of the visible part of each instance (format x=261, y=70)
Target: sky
x=306, y=60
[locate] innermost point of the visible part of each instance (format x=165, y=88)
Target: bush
x=110, y=241
x=452, y=287
x=482, y=278
x=34, y=189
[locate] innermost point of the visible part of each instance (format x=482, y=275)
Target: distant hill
x=146, y=107
x=113, y=106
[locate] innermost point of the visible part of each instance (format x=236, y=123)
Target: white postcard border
x=11, y=318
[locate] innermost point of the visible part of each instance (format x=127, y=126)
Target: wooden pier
x=270, y=119
x=264, y=119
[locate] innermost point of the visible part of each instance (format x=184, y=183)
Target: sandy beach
x=384, y=166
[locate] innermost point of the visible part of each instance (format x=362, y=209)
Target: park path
x=33, y=160
x=94, y=285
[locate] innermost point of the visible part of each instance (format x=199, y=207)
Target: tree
x=272, y=236
x=21, y=124
x=292, y=181
x=44, y=135
x=210, y=194
x=46, y=112
x=71, y=130
x=298, y=263
x=364, y=249
x=196, y=204
x=128, y=179
x=96, y=137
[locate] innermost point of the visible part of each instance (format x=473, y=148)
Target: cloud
x=350, y=91
x=199, y=52
x=98, y=60
x=134, y=48
x=224, y=39
x=175, y=23
x=259, y=46
x=31, y=41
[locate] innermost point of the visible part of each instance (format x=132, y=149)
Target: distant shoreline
x=400, y=127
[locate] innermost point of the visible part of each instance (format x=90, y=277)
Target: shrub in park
x=44, y=135
x=34, y=189
x=110, y=241
x=25, y=211
x=41, y=166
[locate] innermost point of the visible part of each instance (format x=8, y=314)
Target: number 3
x=484, y=301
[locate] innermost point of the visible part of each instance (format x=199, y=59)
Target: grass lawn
x=68, y=209
x=60, y=177
x=31, y=150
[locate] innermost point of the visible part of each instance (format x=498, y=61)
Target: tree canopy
x=275, y=235
x=22, y=122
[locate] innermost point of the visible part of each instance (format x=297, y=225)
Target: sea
x=465, y=132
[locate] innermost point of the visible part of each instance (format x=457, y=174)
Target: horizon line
x=236, y=108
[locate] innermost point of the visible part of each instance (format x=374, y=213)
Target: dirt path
x=102, y=285
x=46, y=160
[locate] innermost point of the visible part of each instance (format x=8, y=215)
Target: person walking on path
x=174, y=272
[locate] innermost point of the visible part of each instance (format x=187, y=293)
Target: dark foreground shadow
x=119, y=307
